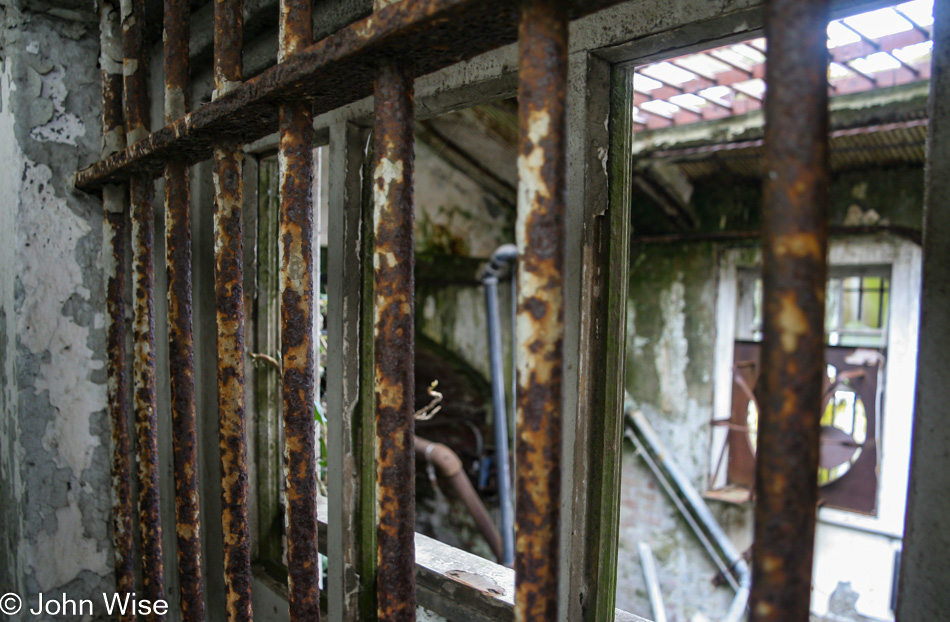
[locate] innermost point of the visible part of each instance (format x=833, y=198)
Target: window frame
x=630, y=33
x=904, y=259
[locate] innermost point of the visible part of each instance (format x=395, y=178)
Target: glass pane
x=844, y=429
x=832, y=305
x=851, y=302
x=752, y=420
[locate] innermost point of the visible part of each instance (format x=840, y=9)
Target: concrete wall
x=54, y=433
x=671, y=335
x=458, y=225
x=457, y=218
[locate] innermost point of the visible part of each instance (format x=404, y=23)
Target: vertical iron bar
x=793, y=274
x=542, y=168
x=394, y=340
x=229, y=300
x=296, y=314
x=180, y=335
x=142, y=194
x=114, y=247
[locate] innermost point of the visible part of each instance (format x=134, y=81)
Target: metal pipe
x=394, y=342
x=180, y=334
x=502, y=256
x=141, y=195
x=229, y=300
x=114, y=268
x=296, y=313
x=542, y=167
x=513, y=409
x=794, y=250
x=652, y=582
x=449, y=465
x=693, y=509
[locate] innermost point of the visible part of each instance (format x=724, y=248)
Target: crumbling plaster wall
x=670, y=349
x=54, y=433
x=456, y=218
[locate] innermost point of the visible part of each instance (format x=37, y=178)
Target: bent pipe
x=694, y=510
x=503, y=256
x=448, y=464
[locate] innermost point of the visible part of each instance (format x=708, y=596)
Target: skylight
x=880, y=23
x=884, y=47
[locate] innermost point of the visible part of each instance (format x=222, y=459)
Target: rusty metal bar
x=114, y=264
x=427, y=36
x=229, y=300
x=795, y=214
x=540, y=233
x=142, y=195
x=394, y=339
x=180, y=335
x=296, y=317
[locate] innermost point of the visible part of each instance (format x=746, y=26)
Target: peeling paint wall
x=671, y=340
x=454, y=215
x=456, y=218
x=54, y=437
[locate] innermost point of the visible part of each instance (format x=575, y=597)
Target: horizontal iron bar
x=426, y=36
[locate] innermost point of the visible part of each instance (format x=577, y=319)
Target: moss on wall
x=671, y=322
x=727, y=202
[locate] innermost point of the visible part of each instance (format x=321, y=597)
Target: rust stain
x=232, y=434
x=176, y=33
x=295, y=159
x=114, y=231
x=143, y=375
x=794, y=248
x=182, y=380
x=427, y=35
x=394, y=342
x=296, y=265
x=180, y=334
x=142, y=195
x=542, y=88
x=792, y=322
x=114, y=266
x=227, y=173
x=134, y=71
x=798, y=245
x=228, y=46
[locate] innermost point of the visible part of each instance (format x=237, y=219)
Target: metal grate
x=382, y=55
